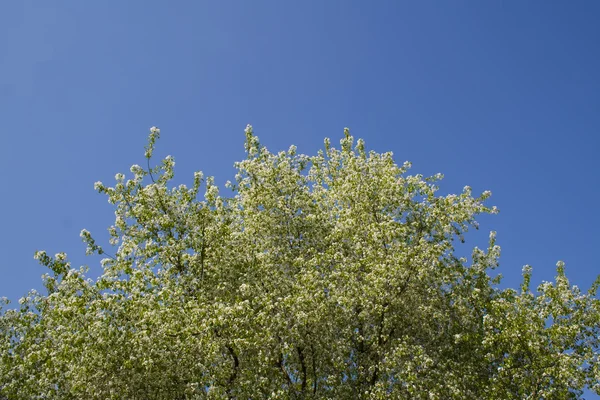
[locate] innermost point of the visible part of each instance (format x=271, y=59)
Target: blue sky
x=497, y=95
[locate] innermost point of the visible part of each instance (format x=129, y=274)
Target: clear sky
x=499, y=95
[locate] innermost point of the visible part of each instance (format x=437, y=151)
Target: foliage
x=329, y=276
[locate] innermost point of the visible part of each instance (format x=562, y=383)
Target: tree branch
x=234, y=373
x=300, y=351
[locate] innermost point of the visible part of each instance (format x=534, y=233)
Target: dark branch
x=302, y=366
x=234, y=373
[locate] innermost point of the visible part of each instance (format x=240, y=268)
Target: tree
x=330, y=276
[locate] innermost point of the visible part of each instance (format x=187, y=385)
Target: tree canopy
x=327, y=276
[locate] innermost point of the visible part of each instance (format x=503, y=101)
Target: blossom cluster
x=326, y=276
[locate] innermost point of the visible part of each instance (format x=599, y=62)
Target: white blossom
x=341, y=282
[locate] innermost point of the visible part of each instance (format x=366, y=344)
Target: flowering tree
x=329, y=276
